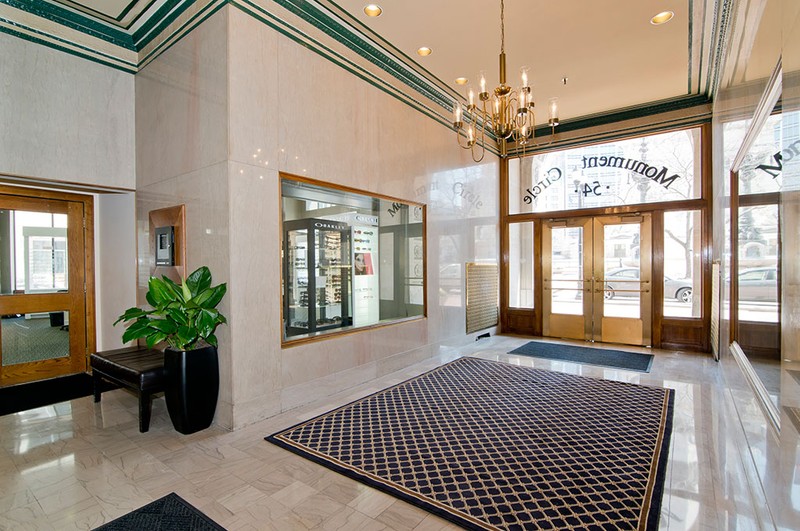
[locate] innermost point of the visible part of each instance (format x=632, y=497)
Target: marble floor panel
x=78, y=464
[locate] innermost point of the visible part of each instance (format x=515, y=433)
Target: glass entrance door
x=42, y=289
x=596, y=276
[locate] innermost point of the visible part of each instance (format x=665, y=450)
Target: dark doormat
x=170, y=513
x=618, y=359
x=22, y=397
x=490, y=445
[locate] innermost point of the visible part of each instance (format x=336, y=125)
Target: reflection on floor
x=79, y=464
x=769, y=371
x=34, y=339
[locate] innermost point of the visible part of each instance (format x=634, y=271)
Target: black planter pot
x=191, y=387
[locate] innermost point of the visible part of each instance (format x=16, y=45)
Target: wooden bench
x=136, y=368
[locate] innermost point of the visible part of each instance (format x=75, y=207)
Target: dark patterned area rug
x=490, y=445
x=170, y=513
x=618, y=359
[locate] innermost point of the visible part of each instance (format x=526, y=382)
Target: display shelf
x=316, y=275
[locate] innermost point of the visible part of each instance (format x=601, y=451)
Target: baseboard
x=22, y=397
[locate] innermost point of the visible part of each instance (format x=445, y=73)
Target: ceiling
x=596, y=57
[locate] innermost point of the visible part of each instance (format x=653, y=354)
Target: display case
x=316, y=273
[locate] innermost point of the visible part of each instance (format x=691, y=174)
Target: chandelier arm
x=483, y=152
x=459, y=133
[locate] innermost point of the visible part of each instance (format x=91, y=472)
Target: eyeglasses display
x=316, y=276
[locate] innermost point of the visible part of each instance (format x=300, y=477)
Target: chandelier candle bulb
x=457, y=113
x=524, y=75
x=553, y=112
x=471, y=98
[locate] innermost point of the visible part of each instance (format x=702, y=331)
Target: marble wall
x=70, y=120
x=63, y=118
x=218, y=116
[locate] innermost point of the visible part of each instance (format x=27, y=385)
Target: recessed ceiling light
x=662, y=18
x=373, y=10
x=423, y=51
x=461, y=81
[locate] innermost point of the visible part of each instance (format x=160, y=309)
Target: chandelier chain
x=502, y=28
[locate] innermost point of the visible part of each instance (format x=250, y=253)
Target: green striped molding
x=56, y=43
x=73, y=20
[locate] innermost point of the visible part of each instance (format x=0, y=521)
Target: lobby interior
x=215, y=104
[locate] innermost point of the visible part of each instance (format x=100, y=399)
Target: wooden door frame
x=690, y=333
x=33, y=197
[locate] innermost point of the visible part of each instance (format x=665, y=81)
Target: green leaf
x=160, y=292
x=206, y=323
x=164, y=325
x=187, y=292
x=172, y=286
x=136, y=330
x=177, y=315
x=186, y=335
x=150, y=300
x=199, y=280
x=131, y=313
x=212, y=340
x=154, y=339
x=210, y=298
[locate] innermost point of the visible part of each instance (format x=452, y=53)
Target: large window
x=350, y=260
x=648, y=169
x=520, y=265
x=682, y=272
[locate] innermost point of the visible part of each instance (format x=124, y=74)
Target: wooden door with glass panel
x=596, y=274
x=42, y=288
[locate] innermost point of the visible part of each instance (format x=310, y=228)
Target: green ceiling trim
x=293, y=33
x=128, y=9
x=73, y=20
x=348, y=38
x=721, y=29
x=162, y=18
x=642, y=111
x=90, y=54
x=198, y=18
x=649, y=109
x=86, y=9
x=353, y=21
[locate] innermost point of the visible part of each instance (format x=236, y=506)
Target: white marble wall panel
x=253, y=87
x=115, y=264
x=64, y=118
x=254, y=287
x=205, y=194
x=182, y=105
x=312, y=118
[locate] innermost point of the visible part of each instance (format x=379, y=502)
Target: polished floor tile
x=79, y=464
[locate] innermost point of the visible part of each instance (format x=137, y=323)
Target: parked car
x=627, y=278
x=758, y=284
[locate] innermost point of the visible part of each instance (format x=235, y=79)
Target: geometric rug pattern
x=170, y=513
x=491, y=445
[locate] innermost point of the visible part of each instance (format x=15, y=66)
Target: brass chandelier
x=507, y=113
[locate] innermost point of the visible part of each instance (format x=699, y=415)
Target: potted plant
x=185, y=317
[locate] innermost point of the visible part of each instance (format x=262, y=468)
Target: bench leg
x=145, y=406
x=96, y=385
